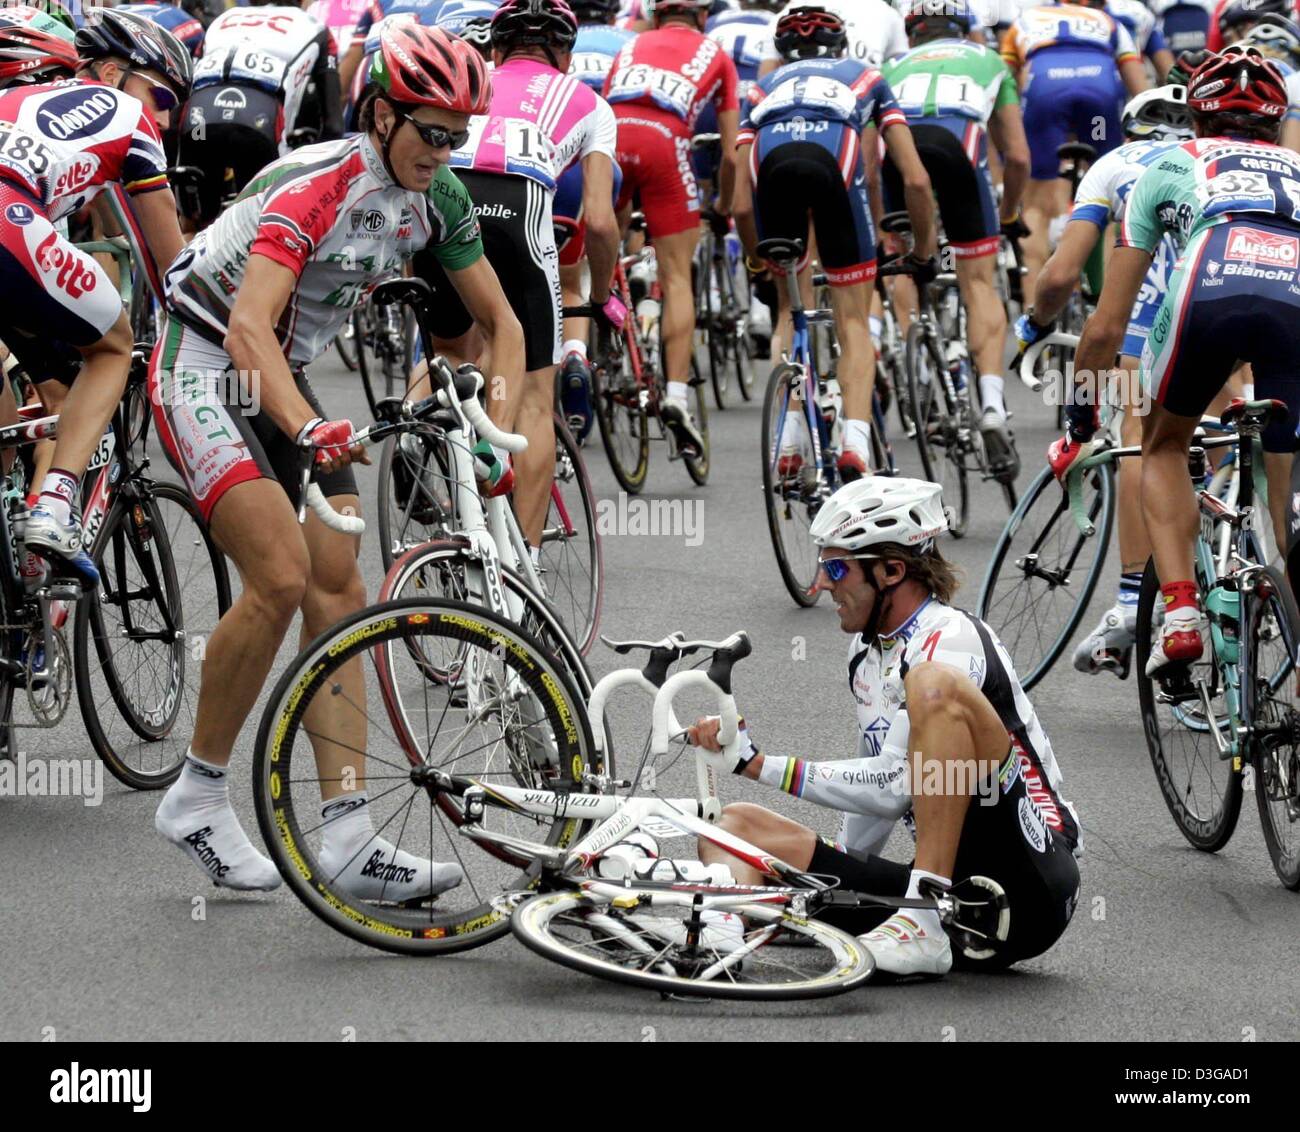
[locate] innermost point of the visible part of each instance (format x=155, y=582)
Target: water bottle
x=666, y=869
x=1223, y=608
x=620, y=861
x=32, y=568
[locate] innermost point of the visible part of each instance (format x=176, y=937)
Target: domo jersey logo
x=76, y=113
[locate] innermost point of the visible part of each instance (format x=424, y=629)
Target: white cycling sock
x=875, y=324
x=57, y=493
x=857, y=435
x=535, y=552
x=197, y=817
x=927, y=918
x=991, y=386
x=574, y=346
x=369, y=866
x=678, y=391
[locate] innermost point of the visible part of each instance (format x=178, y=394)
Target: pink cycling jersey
x=540, y=123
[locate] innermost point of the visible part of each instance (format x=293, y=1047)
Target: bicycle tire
x=10, y=636
x=571, y=553
x=788, y=500
x=361, y=324
x=1206, y=828
x=697, y=467
x=415, y=500
x=440, y=928
x=535, y=926
x=623, y=420
x=927, y=398
x=1276, y=759
x=1004, y=606
x=133, y=530
x=345, y=345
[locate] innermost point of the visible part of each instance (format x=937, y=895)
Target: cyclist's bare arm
x=870, y=148
x=1060, y=274
x=1134, y=74
x=728, y=126
x=1162, y=60
x=742, y=206
x=1290, y=137
x=602, y=224
x=1007, y=130
x=916, y=187
x=155, y=213
x=349, y=63
x=480, y=291
x=253, y=346
x=1104, y=331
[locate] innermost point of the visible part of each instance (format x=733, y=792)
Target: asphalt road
x=111, y=935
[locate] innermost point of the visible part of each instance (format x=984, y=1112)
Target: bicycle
x=940, y=383
x=627, y=382
x=540, y=832
x=800, y=434
x=1233, y=713
x=1048, y=560
x=427, y=488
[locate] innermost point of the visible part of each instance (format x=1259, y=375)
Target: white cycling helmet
x=878, y=509
x=1160, y=114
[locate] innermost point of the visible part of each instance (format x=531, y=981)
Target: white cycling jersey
x=276, y=49
x=871, y=790
x=874, y=28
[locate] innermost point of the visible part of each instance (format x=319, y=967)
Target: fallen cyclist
x=981, y=795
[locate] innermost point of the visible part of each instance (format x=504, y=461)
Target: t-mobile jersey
x=872, y=790
x=540, y=122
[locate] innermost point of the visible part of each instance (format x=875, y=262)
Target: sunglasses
x=438, y=136
x=837, y=569
x=164, y=98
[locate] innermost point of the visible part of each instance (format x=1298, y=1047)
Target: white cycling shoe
x=380, y=871
x=1181, y=640
x=1109, y=647
x=902, y=947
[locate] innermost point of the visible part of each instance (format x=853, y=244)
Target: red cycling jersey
x=669, y=75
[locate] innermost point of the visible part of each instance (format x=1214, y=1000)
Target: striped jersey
x=65, y=142
x=331, y=214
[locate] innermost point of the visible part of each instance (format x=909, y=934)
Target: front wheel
x=674, y=943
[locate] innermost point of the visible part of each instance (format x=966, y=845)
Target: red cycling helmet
x=30, y=55
x=1238, y=80
x=422, y=66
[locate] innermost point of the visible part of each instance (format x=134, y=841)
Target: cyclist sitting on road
x=1074, y=62
x=1230, y=196
x=1153, y=122
x=541, y=121
x=659, y=85
x=809, y=142
x=952, y=92
x=254, y=299
x=251, y=93
x=63, y=317
x=941, y=718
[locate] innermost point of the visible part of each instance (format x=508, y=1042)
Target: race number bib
x=950, y=95
x=832, y=98
x=242, y=65
x=590, y=66
x=23, y=153
x=666, y=89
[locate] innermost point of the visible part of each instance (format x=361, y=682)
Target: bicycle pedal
x=1176, y=688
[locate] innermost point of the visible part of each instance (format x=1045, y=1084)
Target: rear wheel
x=792, y=494
x=624, y=423
x=698, y=466
x=937, y=426
x=572, y=566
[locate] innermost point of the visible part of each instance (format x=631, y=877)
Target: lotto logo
x=1263, y=247
x=72, y=276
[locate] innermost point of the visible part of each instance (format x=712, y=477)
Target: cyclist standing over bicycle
x=68, y=143
x=808, y=139
x=1074, y=62
x=250, y=95
x=957, y=95
x=540, y=122
x=659, y=85
x=947, y=741
x=255, y=298
x=1153, y=122
x=1230, y=197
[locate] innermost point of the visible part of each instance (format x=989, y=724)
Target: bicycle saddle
x=779, y=251
x=896, y=223
x=1076, y=151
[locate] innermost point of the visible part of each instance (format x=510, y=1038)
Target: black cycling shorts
x=227, y=127
x=966, y=204
x=519, y=242
x=1009, y=841
x=799, y=178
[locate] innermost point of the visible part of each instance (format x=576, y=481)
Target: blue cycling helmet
x=930, y=17
x=469, y=19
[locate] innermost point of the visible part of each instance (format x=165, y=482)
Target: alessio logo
x=1262, y=247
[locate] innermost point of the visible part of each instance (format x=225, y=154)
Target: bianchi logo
x=1031, y=825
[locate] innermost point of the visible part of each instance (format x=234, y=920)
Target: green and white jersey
x=951, y=78
x=1210, y=181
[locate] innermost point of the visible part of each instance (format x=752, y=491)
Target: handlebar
x=1030, y=357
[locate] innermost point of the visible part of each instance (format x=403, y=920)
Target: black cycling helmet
x=141, y=42
x=595, y=11
x=810, y=33
x=1240, y=12
x=549, y=24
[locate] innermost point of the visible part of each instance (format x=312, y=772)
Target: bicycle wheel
x=793, y=499
x=662, y=941
x=363, y=330
x=510, y=717
x=735, y=311
x=698, y=466
x=164, y=586
x=1202, y=790
x=1272, y=636
x=624, y=423
x=345, y=344
x=572, y=566
x=416, y=494
x=937, y=427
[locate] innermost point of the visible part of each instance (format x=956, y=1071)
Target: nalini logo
x=1212, y=268
x=102, y=1086
x=19, y=214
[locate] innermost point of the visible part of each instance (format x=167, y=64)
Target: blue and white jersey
x=593, y=53
x=1141, y=23
x=747, y=37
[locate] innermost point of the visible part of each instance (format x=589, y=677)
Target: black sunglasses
x=437, y=136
